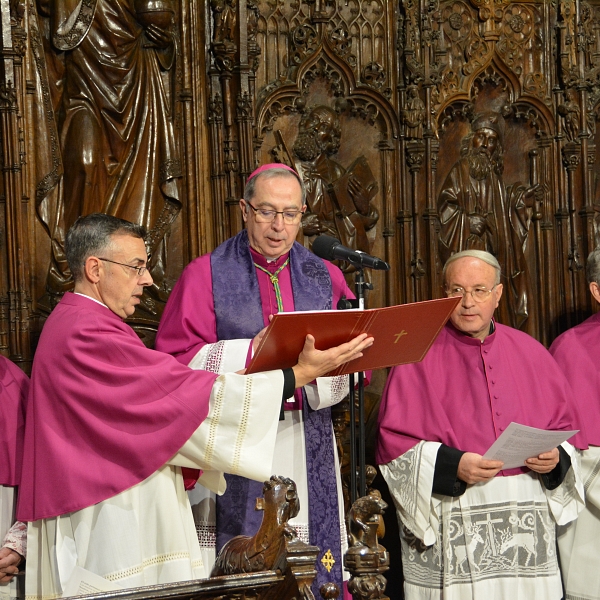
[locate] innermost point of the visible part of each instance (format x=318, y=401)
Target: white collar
x=94, y=299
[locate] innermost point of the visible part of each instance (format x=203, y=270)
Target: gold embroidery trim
x=328, y=561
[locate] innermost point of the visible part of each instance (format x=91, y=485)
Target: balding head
x=473, y=276
x=486, y=257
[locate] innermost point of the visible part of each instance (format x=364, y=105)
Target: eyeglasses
x=140, y=270
x=479, y=294
x=261, y=215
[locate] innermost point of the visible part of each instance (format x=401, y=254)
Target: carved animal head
x=280, y=494
x=367, y=507
x=370, y=474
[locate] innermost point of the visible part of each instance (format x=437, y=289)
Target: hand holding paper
x=473, y=468
x=520, y=442
x=544, y=463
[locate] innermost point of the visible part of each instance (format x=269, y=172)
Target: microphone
x=329, y=248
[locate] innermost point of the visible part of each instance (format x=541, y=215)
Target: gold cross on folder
x=399, y=335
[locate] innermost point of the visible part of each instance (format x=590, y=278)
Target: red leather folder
x=402, y=334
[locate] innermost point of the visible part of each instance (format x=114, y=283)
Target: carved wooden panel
x=377, y=102
x=407, y=82
x=102, y=114
x=398, y=87
x=501, y=57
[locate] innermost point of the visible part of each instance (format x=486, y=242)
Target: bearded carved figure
x=477, y=211
x=339, y=200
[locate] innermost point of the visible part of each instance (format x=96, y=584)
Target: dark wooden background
x=245, y=70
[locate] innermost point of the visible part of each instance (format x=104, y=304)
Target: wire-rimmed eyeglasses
x=264, y=215
x=140, y=270
x=479, y=293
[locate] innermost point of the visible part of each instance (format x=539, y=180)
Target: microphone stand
x=360, y=285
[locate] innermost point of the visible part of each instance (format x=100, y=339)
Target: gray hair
x=486, y=257
x=250, y=189
x=92, y=235
x=592, y=268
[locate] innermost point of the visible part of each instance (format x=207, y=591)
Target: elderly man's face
x=120, y=287
x=471, y=317
x=282, y=194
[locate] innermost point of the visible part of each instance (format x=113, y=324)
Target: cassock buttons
x=495, y=396
x=498, y=413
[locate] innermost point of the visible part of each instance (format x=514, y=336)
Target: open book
x=403, y=334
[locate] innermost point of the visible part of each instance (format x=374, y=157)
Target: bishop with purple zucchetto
x=255, y=274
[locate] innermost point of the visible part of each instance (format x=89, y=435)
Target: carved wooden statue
x=571, y=113
x=275, y=545
x=413, y=114
x=264, y=551
x=339, y=200
x=478, y=211
x=366, y=559
x=224, y=21
x=115, y=122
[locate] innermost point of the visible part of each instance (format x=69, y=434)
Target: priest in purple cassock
x=255, y=274
x=576, y=352
x=470, y=529
x=14, y=386
x=110, y=424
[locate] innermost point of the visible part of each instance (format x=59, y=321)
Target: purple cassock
x=14, y=386
x=465, y=393
x=576, y=352
x=239, y=307
x=104, y=411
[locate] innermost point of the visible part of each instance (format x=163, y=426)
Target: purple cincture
x=239, y=315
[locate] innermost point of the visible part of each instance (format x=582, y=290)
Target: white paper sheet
x=520, y=442
x=83, y=582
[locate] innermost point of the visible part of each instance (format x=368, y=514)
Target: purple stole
x=239, y=315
